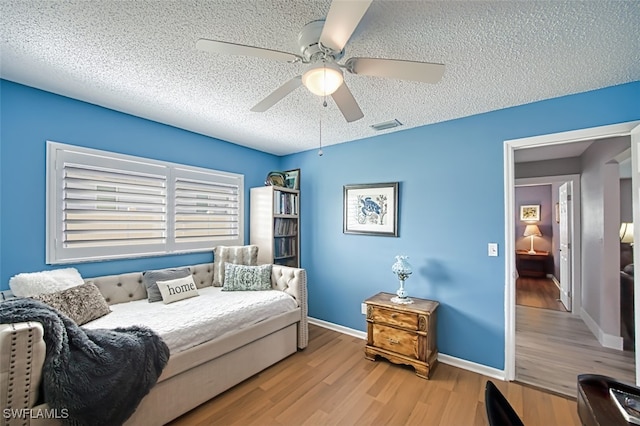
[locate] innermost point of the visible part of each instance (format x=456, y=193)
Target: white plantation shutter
x=102, y=205
x=107, y=207
x=207, y=208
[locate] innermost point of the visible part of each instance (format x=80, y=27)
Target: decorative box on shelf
x=403, y=334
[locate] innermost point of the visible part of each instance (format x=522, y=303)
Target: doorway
x=624, y=129
x=544, y=261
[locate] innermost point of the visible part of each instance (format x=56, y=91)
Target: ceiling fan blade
x=425, y=72
x=278, y=94
x=342, y=20
x=347, y=103
x=223, y=47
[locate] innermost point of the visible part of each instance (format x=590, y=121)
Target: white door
x=635, y=185
x=564, y=199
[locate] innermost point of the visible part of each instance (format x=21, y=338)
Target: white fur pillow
x=46, y=282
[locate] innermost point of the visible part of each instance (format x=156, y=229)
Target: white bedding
x=193, y=321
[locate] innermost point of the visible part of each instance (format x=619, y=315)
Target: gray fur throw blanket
x=98, y=376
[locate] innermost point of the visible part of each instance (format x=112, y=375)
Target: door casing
x=621, y=129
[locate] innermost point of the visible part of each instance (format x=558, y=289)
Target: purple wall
x=540, y=195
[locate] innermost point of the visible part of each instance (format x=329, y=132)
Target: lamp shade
x=626, y=233
x=323, y=79
x=532, y=230
x=401, y=266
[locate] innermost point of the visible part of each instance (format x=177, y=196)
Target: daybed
x=190, y=377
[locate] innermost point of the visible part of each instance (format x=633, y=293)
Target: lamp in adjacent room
x=532, y=231
x=626, y=232
x=402, y=269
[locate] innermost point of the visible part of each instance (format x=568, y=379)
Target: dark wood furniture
x=532, y=264
x=595, y=406
x=403, y=334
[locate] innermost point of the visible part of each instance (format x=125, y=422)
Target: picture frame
x=371, y=209
x=292, y=179
x=530, y=213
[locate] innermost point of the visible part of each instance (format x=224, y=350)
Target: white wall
x=600, y=223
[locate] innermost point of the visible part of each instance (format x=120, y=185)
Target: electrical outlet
x=363, y=309
x=493, y=249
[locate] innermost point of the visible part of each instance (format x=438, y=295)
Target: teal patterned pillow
x=246, y=278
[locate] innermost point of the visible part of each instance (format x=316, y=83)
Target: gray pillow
x=149, y=278
x=246, y=278
x=81, y=303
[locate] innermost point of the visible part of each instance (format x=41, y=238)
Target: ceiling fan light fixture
x=323, y=79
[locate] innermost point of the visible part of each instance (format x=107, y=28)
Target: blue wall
x=451, y=200
x=29, y=117
x=451, y=206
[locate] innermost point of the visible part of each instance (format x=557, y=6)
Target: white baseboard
x=555, y=281
x=340, y=329
x=606, y=340
x=443, y=358
x=472, y=366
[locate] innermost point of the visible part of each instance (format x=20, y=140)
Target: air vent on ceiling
x=386, y=125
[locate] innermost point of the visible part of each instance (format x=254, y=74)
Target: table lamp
x=532, y=231
x=626, y=233
x=402, y=269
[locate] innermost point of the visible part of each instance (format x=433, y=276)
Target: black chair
x=499, y=411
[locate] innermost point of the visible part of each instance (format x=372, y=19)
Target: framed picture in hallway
x=530, y=213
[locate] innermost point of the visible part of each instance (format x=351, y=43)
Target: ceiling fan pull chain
x=320, y=151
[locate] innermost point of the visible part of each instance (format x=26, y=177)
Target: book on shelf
x=628, y=404
x=284, y=227
x=285, y=202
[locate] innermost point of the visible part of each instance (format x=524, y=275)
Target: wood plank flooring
x=553, y=347
x=331, y=383
x=538, y=293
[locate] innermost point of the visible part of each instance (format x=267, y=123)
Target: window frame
x=57, y=253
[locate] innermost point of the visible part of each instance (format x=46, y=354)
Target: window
x=102, y=205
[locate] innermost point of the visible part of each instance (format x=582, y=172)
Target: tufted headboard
x=129, y=287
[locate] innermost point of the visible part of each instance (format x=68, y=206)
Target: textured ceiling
x=140, y=58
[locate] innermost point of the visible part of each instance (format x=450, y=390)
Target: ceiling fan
x=322, y=46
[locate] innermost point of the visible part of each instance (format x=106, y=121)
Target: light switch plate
x=363, y=309
x=493, y=249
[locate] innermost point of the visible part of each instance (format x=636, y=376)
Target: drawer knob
x=393, y=341
x=393, y=316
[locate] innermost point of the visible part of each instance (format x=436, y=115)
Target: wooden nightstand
x=403, y=334
x=532, y=264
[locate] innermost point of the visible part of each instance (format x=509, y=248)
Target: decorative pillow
x=628, y=269
x=246, y=278
x=81, y=303
x=45, y=282
x=178, y=289
x=149, y=278
x=239, y=255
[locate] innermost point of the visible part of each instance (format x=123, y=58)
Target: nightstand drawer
x=393, y=317
x=398, y=341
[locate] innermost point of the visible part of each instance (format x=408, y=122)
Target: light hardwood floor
x=553, y=347
x=538, y=293
x=331, y=383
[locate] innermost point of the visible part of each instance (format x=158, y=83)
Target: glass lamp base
x=401, y=300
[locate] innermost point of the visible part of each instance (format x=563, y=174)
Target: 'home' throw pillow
x=246, y=278
x=81, y=303
x=178, y=289
x=149, y=278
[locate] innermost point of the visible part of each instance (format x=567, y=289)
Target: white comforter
x=193, y=321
